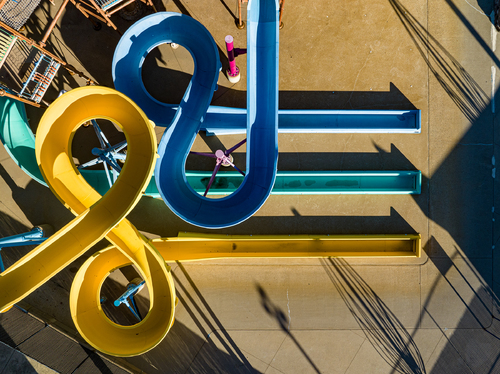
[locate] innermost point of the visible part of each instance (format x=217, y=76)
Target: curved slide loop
x=97, y=217
x=262, y=104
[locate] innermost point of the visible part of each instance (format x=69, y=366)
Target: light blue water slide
x=218, y=120
x=226, y=121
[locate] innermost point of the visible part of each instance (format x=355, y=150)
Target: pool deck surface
x=436, y=314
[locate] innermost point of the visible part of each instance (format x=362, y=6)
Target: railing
x=42, y=75
x=7, y=41
x=15, y=13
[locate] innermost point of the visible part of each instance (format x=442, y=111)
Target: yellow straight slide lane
x=193, y=246
x=97, y=217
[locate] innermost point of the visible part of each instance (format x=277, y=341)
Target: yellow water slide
x=194, y=247
x=97, y=217
x=104, y=216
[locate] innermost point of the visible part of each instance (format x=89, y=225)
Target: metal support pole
x=53, y=23
x=34, y=237
x=132, y=289
x=240, y=24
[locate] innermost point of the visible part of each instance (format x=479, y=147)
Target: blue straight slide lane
x=225, y=121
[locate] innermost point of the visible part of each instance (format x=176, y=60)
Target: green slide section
x=18, y=138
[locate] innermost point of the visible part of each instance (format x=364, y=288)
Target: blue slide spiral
x=174, y=147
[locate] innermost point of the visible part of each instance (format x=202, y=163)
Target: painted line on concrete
x=493, y=77
x=472, y=6
x=494, y=33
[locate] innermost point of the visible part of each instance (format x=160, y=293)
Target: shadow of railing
x=207, y=358
x=472, y=29
x=381, y=327
x=485, y=304
x=479, y=326
x=451, y=75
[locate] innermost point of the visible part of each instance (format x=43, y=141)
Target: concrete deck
x=438, y=314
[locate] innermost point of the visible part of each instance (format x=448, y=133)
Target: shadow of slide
x=381, y=327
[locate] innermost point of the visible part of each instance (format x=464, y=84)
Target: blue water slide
x=143, y=37
x=174, y=147
x=127, y=65
x=19, y=141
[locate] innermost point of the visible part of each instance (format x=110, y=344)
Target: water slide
x=105, y=216
x=262, y=104
x=219, y=120
x=226, y=121
x=180, y=189
x=96, y=217
x=195, y=247
x=19, y=141
x=17, y=137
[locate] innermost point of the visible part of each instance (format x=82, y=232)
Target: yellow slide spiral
x=97, y=217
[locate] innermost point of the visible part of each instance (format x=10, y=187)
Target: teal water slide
x=18, y=138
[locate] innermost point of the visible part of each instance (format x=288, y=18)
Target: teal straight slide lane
x=317, y=182
x=174, y=147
